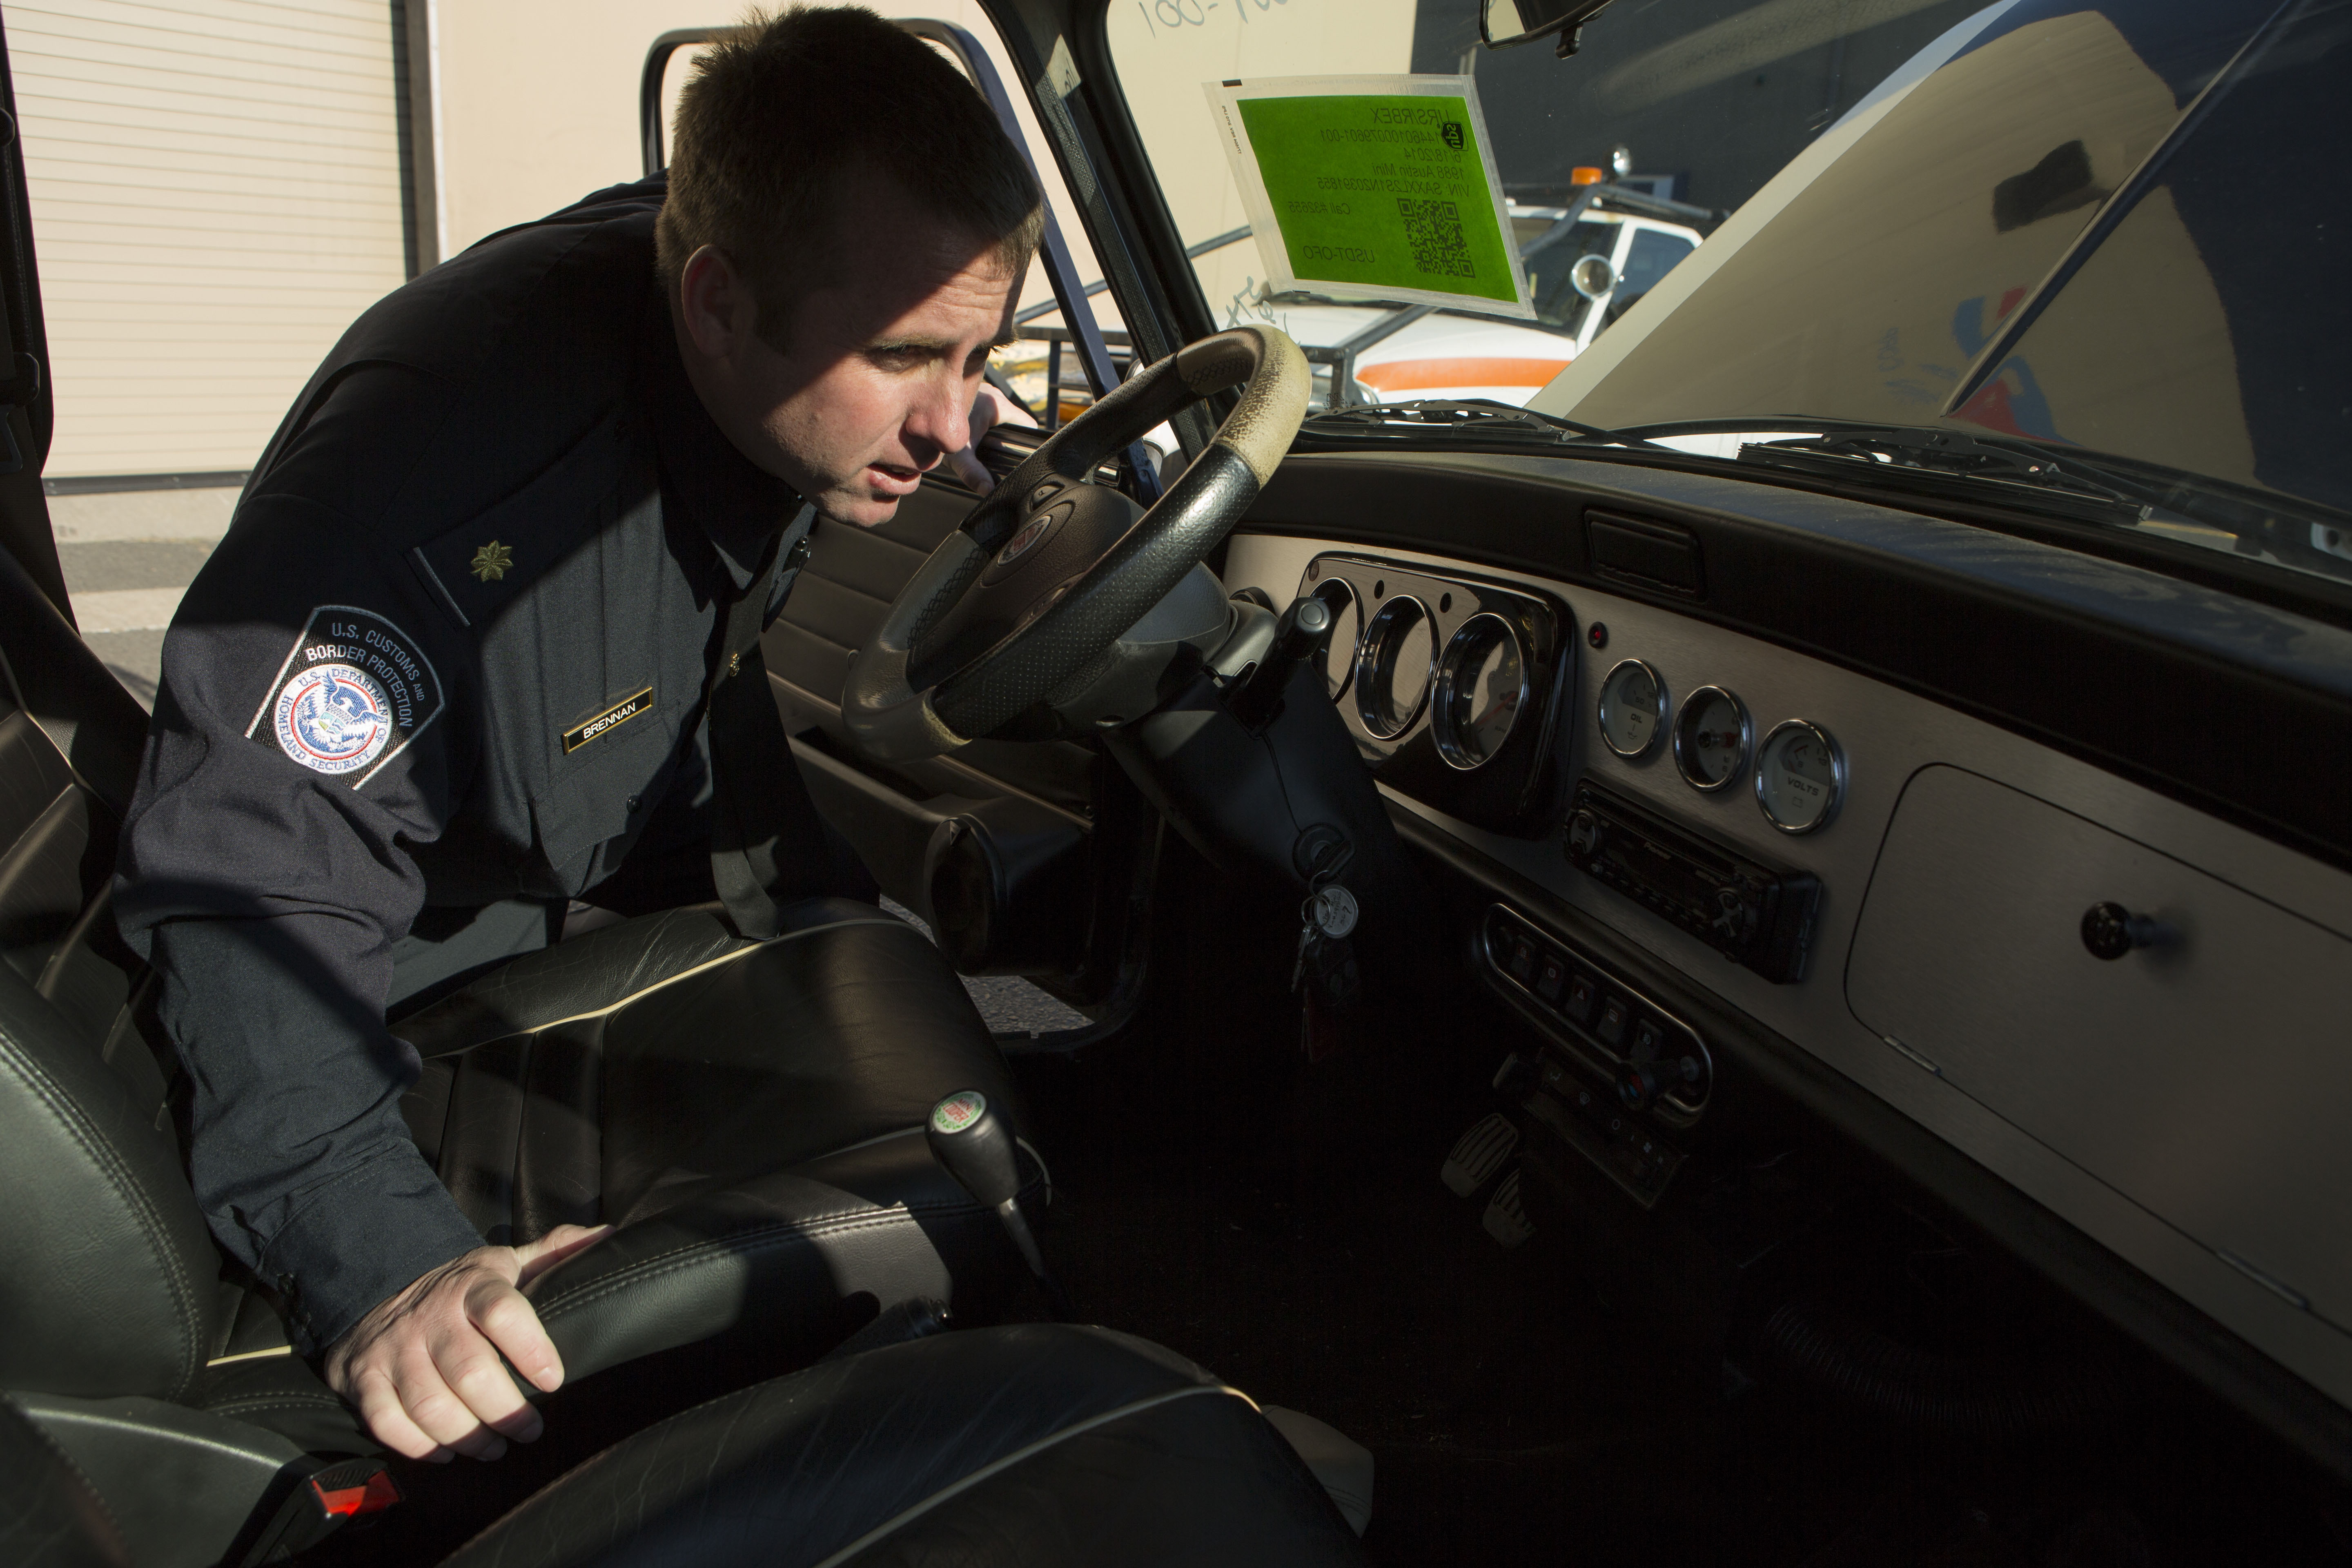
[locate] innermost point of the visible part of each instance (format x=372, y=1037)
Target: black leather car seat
x=750, y=1113
x=1039, y=1445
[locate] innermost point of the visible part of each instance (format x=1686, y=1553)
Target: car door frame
x=27, y=408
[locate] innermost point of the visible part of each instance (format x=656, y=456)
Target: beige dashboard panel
x=2207, y=1077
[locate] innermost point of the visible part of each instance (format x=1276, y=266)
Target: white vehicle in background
x=1587, y=263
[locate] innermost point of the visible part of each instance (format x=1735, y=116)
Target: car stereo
x=1757, y=915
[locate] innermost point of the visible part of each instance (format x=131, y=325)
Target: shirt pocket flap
x=490, y=561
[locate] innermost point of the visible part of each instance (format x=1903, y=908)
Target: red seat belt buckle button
x=372, y=1496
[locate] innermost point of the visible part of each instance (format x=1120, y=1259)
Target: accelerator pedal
x=1479, y=1155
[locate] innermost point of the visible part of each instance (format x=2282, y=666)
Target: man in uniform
x=482, y=640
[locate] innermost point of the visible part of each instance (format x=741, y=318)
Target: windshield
x=1550, y=255
x=2077, y=224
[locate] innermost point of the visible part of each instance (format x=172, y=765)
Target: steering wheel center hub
x=1033, y=533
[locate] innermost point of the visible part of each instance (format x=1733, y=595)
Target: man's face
x=876, y=382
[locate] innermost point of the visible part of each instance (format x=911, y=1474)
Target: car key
x=1311, y=960
x=1327, y=917
x=1331, y=965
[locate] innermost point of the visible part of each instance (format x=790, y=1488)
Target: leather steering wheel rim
x=891, y=721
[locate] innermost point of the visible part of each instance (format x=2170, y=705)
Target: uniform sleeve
x=306, y=735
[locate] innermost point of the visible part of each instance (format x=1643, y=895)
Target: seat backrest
x=108, y=1278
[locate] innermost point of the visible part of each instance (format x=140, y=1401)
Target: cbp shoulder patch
x=352, y=693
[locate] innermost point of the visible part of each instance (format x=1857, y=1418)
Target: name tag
x=620, y=713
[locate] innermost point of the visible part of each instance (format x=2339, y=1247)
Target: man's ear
x=715, y=303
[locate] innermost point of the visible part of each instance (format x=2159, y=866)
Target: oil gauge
x=1712, y=739
x=1633, y=708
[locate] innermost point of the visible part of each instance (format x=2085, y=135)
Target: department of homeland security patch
x=352, y=695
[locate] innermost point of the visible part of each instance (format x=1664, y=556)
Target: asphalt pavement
x=128, y=557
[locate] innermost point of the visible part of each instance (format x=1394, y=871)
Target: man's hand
x=423, y=1366
x=989, y=408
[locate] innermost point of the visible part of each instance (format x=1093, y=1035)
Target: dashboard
x=1450, y=683
x=1704, y=848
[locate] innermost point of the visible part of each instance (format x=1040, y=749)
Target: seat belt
x=767, y=845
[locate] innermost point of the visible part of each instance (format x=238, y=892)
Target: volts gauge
x=1800, y=776
x=1712, y=739
x=1633, y=708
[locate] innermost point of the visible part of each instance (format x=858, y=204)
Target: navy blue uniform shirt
x=452, y=650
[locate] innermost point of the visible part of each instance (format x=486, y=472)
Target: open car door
x=26, y=403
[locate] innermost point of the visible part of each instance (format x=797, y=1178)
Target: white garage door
x=217, y=192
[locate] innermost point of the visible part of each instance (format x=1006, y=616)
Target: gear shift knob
x=972, y=1144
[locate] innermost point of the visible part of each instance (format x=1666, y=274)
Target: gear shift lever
x=974, y=1146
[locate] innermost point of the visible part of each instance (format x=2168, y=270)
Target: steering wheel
x=1028, y=596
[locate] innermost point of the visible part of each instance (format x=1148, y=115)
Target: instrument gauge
x=1633, y=708
x=1800, y=776
x=1339, y=657
x=1482, y=688
x=1712, y=739
x=1393, y=667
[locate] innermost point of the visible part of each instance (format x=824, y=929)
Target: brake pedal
x=1479, y=1155
x=1506, y=1220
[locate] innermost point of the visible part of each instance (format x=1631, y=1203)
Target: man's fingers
x=966, y=466
x=435, y=1407
x=507, y=1319
x=986, y=410
x=469, y=1364
x=387, y=1420
x=423, y=1366
x=537, y=1256
x=1003, y=410
x=483, y=1444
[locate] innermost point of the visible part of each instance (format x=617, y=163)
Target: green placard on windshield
x=1373, y=185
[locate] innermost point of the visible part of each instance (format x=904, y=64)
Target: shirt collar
x=739, y=506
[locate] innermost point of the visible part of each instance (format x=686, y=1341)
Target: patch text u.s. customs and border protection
x=353, y=692
x=619, y=713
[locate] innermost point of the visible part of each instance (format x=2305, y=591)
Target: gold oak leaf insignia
x=491, y=561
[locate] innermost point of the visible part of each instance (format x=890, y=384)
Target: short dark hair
x=782, y=109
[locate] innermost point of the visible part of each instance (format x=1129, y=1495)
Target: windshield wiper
x=1482, y=418
x=1950, y=464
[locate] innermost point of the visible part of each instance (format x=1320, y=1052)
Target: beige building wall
x=216, y=184
x=537, y=103
x=215, y=190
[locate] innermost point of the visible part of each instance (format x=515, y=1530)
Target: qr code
x=1434, y=230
